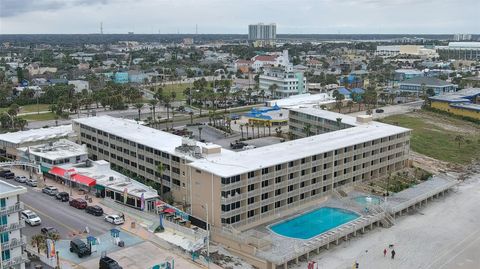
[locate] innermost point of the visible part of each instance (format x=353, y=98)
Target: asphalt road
x=66, y=219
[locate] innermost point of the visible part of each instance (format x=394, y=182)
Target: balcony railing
x=14, y=261
x=6, y=210
x=14, y=243
x=12, y=226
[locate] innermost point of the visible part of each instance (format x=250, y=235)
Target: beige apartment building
x=248, y=188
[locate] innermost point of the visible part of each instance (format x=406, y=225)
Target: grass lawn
x=39, y=117
x=434, y=135
x=178, y=88
x=29, y=108
x=33, y=108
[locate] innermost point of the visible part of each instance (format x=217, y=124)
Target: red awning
x=169, y=210
x=57, y=171
x=84, y=180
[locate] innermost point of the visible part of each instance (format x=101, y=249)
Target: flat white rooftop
x=105, y=176
x=137, y=133
x=227, y=165
x=60, y=149
x=37, y=134
x=7, y=189
x=302, y=100
x=329, y=115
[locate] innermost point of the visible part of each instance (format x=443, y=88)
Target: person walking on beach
x=384, y=252
x=393, y=254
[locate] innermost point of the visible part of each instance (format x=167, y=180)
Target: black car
x=7, y=174
x=108, y=263
x=79, y=247
x=94, y=210
x=62, y=196
x=238, y=145
x=48, y=230
x=379, y=110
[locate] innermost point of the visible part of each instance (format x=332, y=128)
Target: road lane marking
x=48, y=216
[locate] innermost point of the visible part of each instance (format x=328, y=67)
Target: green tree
x=139, y=107
x=160, y=170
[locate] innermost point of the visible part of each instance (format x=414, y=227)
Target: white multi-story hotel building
x=11, y=238
x=263, y=32
x=251, y=186
x=289, y=82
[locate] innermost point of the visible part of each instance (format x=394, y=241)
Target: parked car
x=379, y=110
x=94, y=210
x=31, y=182
x=78, y=203
x=31, y=218
x=7, y=174
x=114, y=219
x=48, y=230
x=237, y=145
x=79, y=247
x=50, y=190
x=62, y=196
x=108, y=263
x=21, y=179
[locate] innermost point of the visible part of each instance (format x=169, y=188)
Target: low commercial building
x=10, y=142
x=460, y=51
x=98, y=177
x=11, y=223
x=54, y=153
x=420, y=84
x=289, y=82
x=465, y=103
x=404, y=74
x=302, y=100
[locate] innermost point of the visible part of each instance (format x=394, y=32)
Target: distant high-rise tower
x=262, y=33
x=462, y=37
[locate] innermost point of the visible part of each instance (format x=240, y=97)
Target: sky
x=233, y=16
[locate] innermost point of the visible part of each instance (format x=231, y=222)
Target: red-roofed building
x=277, y=59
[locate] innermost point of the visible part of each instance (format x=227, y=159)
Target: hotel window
x=265, y=171
x=278, y=167
x=251, y=174
x=264, y=183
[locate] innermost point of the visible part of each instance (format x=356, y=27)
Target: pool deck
x=281, y=250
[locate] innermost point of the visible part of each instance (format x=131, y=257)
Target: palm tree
x=139, y=106
x=160, y=170
x=191, y=117
x=200, y=133
x=339, y=121
x=272, y=89
x=38, y=241
x=241, y=130
x=459, y=139
x=153, y=104
x=307, y=129
x=20, y=123
x=350, y=105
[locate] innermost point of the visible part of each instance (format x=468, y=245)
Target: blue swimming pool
x=368, y=200
x=314, y=222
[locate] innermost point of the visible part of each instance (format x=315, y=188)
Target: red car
x=78, y=203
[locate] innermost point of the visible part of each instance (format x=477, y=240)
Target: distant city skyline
x=233, y=17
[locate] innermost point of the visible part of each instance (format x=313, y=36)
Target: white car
x=114, y=219
x=31, y=218
x=21, y=179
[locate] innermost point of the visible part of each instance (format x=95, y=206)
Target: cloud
x=233, y=16
x=11, y=8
